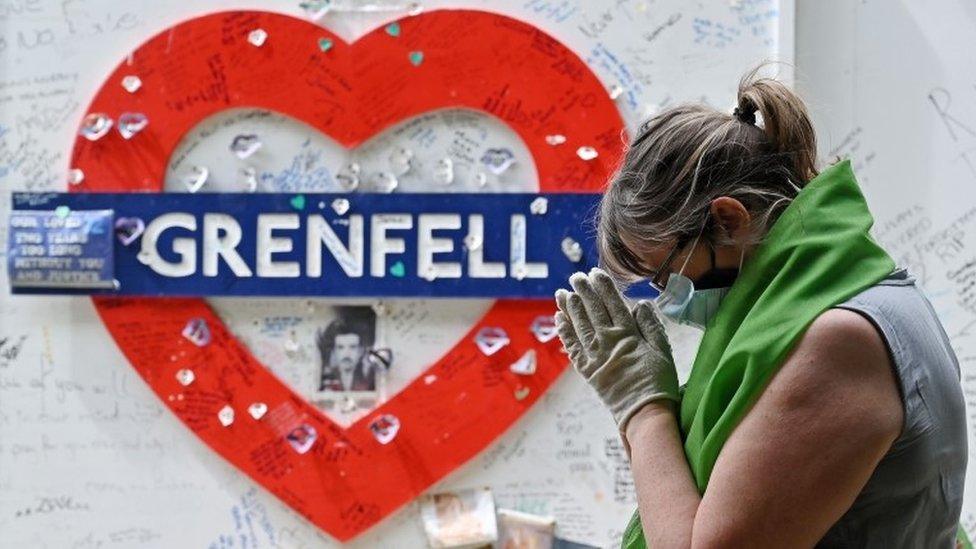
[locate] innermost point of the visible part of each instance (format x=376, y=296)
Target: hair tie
x=749, y=117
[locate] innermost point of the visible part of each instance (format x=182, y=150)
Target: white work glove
x=625, y=356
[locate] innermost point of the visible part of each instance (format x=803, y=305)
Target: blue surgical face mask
x=682, y=303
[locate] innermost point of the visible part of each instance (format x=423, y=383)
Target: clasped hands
x=624, y=354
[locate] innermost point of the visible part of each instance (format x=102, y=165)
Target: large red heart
x=348, y=481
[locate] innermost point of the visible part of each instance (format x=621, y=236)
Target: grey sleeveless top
x=914, y=496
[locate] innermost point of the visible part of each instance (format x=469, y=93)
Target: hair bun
x=785, y=120
x=746, y=114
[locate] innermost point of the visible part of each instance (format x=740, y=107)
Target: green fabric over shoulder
x=962, y=539
x=817, y=254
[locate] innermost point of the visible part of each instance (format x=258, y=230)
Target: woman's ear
x=731, y=216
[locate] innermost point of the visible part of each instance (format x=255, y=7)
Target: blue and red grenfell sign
x=150, y=257
x=209, y=244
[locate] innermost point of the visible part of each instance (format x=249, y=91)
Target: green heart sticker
x=398, y=270
x=298, y=201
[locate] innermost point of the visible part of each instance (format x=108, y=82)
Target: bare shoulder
x=843, y=359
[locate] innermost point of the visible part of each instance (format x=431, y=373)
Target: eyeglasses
x=661, y=274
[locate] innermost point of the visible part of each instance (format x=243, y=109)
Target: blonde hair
x=689, y=154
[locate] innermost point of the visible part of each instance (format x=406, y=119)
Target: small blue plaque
x=61, y=248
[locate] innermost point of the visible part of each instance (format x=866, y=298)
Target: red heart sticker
x=345, y=479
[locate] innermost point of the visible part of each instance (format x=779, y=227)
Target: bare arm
x=796, y=461
x=667, y=497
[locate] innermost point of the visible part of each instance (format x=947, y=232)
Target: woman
x=824, y=406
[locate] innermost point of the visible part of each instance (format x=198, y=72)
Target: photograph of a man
x=343, y=347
